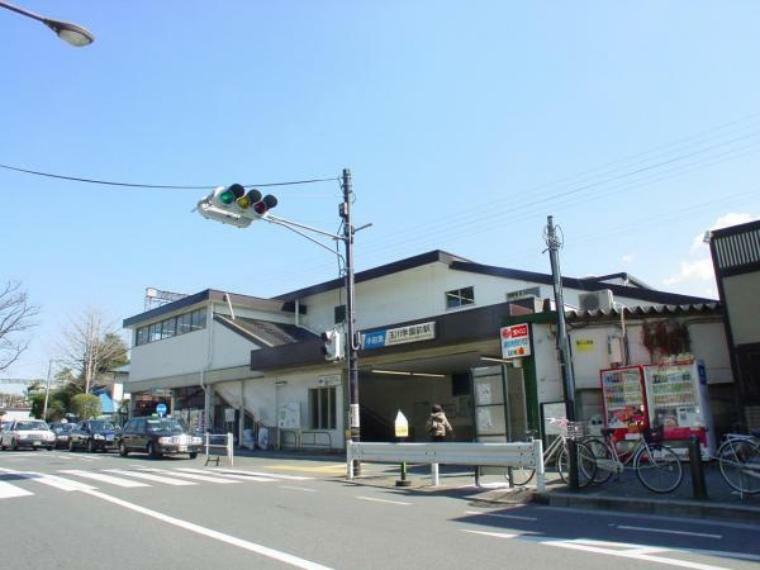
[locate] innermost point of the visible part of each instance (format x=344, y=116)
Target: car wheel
x=14, y=445
x=123, y=449
x=90, y=446
x=193, y=455
x=152, y=451
x=2, y=445
x=71, y=445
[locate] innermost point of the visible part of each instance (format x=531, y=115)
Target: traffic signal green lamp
x=228, y=195
x=233, y=205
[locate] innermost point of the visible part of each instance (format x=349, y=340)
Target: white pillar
x=434, y=474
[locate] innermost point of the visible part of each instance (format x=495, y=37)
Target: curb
x=652, y=507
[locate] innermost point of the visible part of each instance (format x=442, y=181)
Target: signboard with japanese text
x=398, y=335
x=515, y=341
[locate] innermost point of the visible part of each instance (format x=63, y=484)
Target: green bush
x=85, y=406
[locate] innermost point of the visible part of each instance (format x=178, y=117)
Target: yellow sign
x=401, y=425
x=584, y=345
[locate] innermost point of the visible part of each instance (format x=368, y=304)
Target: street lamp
x=72, y=34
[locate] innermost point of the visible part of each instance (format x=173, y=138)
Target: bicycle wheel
x=606, y=465
x=519, y=475
x=658, y=468
x=739, y=462
x=586, y=465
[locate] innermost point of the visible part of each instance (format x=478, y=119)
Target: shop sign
x=398, y=335
x=584, y=345
x=515, y=341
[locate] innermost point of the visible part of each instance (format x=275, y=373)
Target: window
x=523, y=293
x=183, y=323
x=168, y=328
x=141, y=336
x=460, y=297
x=154, y=332
x=198, y=320
x=340, y=314
x=322, y=408
x=173, y=326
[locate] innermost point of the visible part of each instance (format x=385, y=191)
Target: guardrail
x=314, y=443
x=523, y=454
x=218, y=445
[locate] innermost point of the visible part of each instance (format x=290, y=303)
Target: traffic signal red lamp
x=266, y=204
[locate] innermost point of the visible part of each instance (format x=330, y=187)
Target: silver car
x=27, y=433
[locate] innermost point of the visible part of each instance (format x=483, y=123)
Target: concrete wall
x=743, y=305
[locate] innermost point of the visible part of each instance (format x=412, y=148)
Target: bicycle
x=558, y=451
x=657, y=466
x=739, y=460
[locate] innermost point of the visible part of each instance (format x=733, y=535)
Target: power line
x=155, y=186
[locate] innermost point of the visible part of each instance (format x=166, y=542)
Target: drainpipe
x=229, y=305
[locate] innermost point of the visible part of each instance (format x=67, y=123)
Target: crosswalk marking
x=268, y=475
x=49, y=480
x=227, y=475
x=8, y=491
x=191, y=476
x=151, y=477
x=118, y=481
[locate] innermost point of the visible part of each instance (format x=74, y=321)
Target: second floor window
x=460, y=297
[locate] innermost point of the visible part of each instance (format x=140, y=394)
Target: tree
x=16, y=317
x=85, y=406
x=92, y=348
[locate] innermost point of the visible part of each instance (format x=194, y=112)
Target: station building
x=430, y=326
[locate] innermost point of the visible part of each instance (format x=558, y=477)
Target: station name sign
x=515, y=341
x=399, y=335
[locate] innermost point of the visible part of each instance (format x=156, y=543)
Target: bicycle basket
x=573, y=430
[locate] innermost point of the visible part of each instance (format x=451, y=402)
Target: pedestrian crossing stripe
x=129, y=478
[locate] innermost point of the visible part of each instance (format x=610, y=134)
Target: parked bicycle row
x=657, y=465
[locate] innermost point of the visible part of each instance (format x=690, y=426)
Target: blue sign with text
x=161, y=409
x=374, y=339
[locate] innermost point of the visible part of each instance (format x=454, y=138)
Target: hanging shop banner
x=515, y=341
x=398, y=335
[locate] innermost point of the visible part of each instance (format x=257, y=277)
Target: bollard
x=434, y=474
x=403, y=482
x=699, y=489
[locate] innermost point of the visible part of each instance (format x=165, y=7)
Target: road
x=77, y=510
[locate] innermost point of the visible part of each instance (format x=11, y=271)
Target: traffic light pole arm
x=284, y=222
x=286, y=225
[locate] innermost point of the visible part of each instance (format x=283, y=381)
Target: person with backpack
x=437, y=425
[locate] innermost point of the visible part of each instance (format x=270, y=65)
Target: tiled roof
x=652, y=310
x=266, y=332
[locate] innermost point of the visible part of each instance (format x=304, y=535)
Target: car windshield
x=31, y=425
x=171, y=426
x=102, y=426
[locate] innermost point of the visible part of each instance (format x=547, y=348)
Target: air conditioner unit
x=598, y=300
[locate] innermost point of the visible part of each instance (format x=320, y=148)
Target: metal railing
x=520, y=455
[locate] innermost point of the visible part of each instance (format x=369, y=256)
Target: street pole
x=553, y=243
x=352, y=352
x=47, y=390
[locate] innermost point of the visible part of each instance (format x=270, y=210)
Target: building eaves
x=436, y=255
x=734, y=230
x=265, y=333
x=627, y=277
x=651, y=295
x=712, y=308
x=236, y=299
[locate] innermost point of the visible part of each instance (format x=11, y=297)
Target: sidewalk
x=625, y=494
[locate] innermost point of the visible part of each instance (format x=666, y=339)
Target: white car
x=27, y=433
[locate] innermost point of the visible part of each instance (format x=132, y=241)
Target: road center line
x=374, y=500
x=216, y=535
x=668, y=531
x=494, y=534
x=501, y=515
x=305, y=489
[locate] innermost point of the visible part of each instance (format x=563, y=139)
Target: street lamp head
x=72, y=34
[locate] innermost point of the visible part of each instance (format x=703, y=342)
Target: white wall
x=177, y=355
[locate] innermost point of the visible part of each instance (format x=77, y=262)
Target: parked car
x=93, y=435
x=157, y=437
x=62, y=432
x=27, y=433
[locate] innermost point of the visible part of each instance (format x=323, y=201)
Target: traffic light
x=233, y=205
x=333, y=345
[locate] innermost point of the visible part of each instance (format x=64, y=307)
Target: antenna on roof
x=158, y=298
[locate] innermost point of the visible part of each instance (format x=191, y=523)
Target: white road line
x=216, y=535
x=501, y=515
x=669, y=531
x=636, y=554
x=118, y=481
x=8, y=491
x=292, y=488
x=50, y=480
x=151, y=477
x=374, y=500
x=226, y=475
x=493, y=534
x=270, y=475
x=192, y=476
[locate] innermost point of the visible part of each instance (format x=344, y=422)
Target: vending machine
x=625, y=403
x=677, y=400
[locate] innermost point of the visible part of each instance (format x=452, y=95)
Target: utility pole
x=553, y=244
x=352, y=356
x=47, y=391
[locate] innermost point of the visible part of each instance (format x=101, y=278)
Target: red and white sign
x=515, y=341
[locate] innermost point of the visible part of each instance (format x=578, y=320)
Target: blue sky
x=464, y=123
